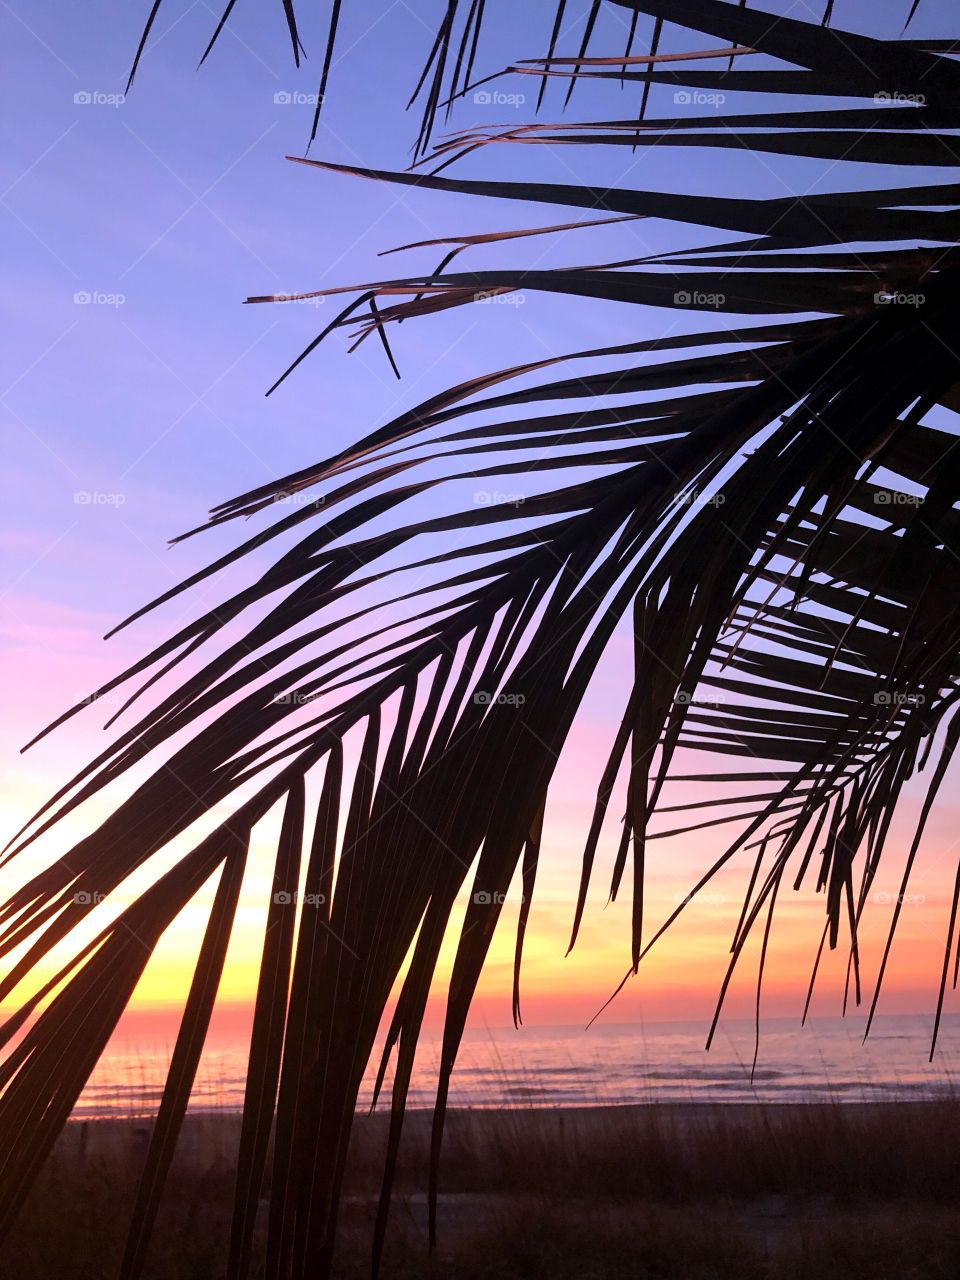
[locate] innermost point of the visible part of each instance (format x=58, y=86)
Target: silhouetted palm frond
x=769, y=506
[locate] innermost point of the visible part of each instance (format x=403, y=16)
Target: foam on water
x=567, y=1066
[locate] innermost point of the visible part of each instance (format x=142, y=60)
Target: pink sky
x=57, y=654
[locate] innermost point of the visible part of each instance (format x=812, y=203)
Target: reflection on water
x=567, y=1066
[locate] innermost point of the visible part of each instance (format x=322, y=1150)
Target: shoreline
x=575, y=1109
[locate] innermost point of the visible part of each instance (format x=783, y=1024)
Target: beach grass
x=696, y=1191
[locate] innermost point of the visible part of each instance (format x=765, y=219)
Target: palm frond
x=769, y=508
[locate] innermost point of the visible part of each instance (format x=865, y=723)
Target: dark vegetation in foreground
x=686, y=1192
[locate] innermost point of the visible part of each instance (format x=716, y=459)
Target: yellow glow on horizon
x=679, y=978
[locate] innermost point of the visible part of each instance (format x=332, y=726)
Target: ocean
x=606, y=1065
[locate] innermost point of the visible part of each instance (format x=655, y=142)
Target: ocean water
x=616, y=1064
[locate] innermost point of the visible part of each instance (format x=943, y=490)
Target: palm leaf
x=767, y=506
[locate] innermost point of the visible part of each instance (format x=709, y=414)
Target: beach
x=695, y=1191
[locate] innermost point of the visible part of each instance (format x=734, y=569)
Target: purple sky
x=128, y=414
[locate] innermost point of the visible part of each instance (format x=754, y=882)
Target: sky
x=133, y=383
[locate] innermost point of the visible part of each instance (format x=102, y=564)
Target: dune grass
x=697, y=1192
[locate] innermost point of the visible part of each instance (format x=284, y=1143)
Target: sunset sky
x=132, y=400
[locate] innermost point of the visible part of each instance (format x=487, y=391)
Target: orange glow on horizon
x=679, y=979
